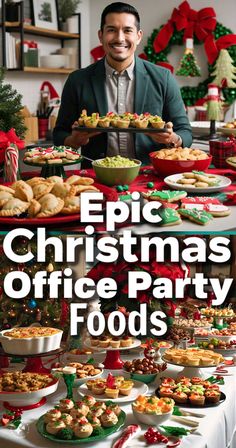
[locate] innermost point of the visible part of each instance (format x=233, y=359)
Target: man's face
x=120, y=37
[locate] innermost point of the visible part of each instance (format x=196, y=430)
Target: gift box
x=221, y=149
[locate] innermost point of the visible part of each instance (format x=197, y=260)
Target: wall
x=153, y=13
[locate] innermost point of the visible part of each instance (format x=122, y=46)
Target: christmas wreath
x=203, y=27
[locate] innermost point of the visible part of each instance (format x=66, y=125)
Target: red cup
x=43, y=127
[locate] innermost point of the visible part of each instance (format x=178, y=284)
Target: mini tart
x=168, y=382
x=98, y=388
x=108, y=418
x=157, y=123
x=83, y=408
x=180, y=397
x=50, y=207
x=126, y=341
x=126, y=387
x=55, y=427
x=104, y=122
x=4, y=197
x=14, y=207
x=71, y=205
x=197, y=399
x=90, y=122
x=66, y=404
x=104, y=342
x=76, y=413
x=166, y=392
x=197, y=380
x=115, y=343
x=94, y=341
x=95, y=422
x=141, y=124
x=83, y=430
x=40, y=189
x=112, y=392
x=23, y=191
x=52, y=415
x=34, y=208
x=90, y=384
x=122, y=123
x=212, y=396
x=115, y=408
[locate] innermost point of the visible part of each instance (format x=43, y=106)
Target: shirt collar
x=110, y=71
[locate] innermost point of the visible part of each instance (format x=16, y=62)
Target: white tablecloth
x=216, y=430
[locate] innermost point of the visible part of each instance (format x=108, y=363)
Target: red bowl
x=166, y=167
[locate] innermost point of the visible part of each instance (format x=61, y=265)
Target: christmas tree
x=48, y=311
x=224, y=72
x=10, y=106
x=188, y=66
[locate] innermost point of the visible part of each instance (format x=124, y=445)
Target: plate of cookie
x=197, y=182
x=39, y=201
x=52, y=155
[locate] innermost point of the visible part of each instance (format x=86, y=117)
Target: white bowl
x=30, y=346
x=29, y=398
x=151, y=419
x=54, y=61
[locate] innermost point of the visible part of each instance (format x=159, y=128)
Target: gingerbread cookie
x=165, y=195
x=199, y=216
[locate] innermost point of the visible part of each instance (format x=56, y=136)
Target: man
x=120, y=83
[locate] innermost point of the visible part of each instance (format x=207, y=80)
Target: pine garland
x=10, y=106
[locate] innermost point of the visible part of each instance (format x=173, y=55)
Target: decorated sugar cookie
x=218, y=210
x=169, y=216
x=199, y=216
x=165, y=195
x=200, y=200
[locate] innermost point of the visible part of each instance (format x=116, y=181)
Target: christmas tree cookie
x=165, y=195
x=169, y=217
x=199, y=216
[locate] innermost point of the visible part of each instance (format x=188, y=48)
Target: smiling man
x=121, y=82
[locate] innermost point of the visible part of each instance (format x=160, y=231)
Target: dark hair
x=120, y=7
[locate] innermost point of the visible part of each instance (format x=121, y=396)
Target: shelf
x=59, y=71
x=30, y=29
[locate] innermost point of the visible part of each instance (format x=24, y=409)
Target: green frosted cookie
x=169, y=216
x=165, y=195
x=199, y=216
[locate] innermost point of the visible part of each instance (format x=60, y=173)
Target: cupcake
x=180, y=397
x=197, y=399
x=112, y=392
x=66, y=405
x=197, y=380
x=168, y=382
x=126, y=387
x=212, y=396
x=52, y=415
x=54, y=427
x=83, y=429
x=126, y=341
x=76, y=413
x=108, y=418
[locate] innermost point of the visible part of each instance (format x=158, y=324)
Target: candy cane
x=128, y=434
x=11, y=163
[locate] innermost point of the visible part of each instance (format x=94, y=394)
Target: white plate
x=227, y=131
x=135, y=344
x=138, y=388
x=202, y=127
x=171, y=181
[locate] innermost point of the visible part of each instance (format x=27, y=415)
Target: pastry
x=112, y=392
x=14, y=207
x=180, y=397
x=126, y=341
x=83, y=429
x=42, y=188
x=115, y=342
x=89, y=400
x=65, y=405
x=197, y=399
x=104, y=341
x=61, y=190
x=66, y=418
x=52, y=415
x=212, y=396
x=34, y=208
x=7, y=189
x=98, y=388
x=23, y=191
x=50, y=206
x=71, y=205
x=4, y=197
x=55, y=179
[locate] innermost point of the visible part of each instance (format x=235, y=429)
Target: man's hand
x=79, y=138
x=167, y=138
